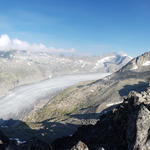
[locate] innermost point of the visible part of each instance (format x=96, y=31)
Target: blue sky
x=88, y=26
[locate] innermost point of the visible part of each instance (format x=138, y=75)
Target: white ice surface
x=23, y=98
x=147, y=63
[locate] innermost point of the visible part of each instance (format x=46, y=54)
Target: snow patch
x=83, y=66
x=135, y=67
x=92, y=91
x=101, y=62
x=29, y=64
x=4, y=126
x=18, y=140
x=147, y=63
x=50, y=76
x=111, y=104
x=130, y=57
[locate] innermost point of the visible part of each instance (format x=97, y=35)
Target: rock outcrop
x=12, y=144
x=126, y=127
x=80, y=146
x=138, y=64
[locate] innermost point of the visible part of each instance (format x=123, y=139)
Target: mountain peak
x=139, y=63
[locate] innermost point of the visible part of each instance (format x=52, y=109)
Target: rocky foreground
x=124, y=127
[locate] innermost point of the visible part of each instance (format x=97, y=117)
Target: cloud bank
x=7, y=44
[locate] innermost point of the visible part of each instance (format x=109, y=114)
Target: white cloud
x=15, y=44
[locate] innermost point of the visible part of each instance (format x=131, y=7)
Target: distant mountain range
x=22, y=67
x=61, y=64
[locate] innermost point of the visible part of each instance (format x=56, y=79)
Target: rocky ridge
x=125, y=127
x=138, y=64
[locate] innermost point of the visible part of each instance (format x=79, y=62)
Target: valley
x=23, y=99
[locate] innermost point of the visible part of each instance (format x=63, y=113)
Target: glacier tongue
x=22, y=99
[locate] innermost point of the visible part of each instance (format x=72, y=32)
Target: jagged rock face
x=138, y=63
x=125, y=127
x=141, y=128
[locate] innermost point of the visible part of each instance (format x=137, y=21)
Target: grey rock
x=80, y=146
x=137, y=64
x=142, y=127
x=126, y=127
x=148, y=90
x=138, y=127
